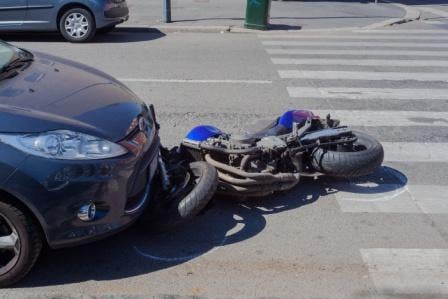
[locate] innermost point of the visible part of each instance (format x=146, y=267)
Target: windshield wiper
x=23, y=60
x=17, y=64
x=8, y=74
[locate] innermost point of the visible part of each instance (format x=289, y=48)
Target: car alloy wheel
x=76, y=25
x=9, y=245
x=20, y=242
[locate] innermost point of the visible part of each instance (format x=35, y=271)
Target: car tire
x=162, y=215
x=350, y=164
x=17, y=227
x=77, y=25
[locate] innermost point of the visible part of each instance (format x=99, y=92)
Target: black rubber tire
x=90, y=19
x=160, y=217
x=349, y=164
x=31, y=242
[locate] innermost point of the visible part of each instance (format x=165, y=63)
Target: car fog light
x=87, y=212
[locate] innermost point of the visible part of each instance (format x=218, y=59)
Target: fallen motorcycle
x=296, y=144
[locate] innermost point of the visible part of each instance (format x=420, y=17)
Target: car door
x=41, y=14
x=12, y=12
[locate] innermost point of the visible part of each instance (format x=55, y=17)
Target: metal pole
x=167, y=11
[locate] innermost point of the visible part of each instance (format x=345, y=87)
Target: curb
x=412, y=14
x=175, y=28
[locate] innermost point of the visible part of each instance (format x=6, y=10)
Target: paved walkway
x=284, y=14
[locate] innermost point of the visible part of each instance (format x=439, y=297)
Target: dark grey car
x=77, y=21
x=80, y=159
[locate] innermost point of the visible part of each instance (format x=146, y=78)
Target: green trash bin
x=257, y=14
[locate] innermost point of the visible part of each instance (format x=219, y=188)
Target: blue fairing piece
x=287, y=119
x=201, y=133
x=294, y=116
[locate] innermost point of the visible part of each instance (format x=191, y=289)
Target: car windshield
x=7, y=54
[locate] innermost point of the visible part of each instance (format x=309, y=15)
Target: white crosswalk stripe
x=357, y=93
x=360, y=62
x=352, y=75
x=408, y=271
x=403, y=31
x=412, y=199
x=370, y=118
x=415, y=152
x=358, y=52
x=366, y=37
x=356, y=44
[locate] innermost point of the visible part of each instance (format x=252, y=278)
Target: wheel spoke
x=8, y=242
x=77, y=25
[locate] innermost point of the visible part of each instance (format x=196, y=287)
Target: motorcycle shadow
x=229, y=221
x=385, y=180
x=232, y=220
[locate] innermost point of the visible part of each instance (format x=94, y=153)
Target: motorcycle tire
x=368, y=155
x=166, y=211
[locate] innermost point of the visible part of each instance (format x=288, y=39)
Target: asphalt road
x=384, y=236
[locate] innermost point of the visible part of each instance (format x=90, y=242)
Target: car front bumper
x=55, y=190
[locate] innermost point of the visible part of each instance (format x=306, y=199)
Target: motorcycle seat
x=281, y=126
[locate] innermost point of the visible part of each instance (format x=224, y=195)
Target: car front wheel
x=77, y=25
x=20, y=243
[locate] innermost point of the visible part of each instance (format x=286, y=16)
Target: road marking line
x=177, y=259
x=415, y=152
x=356, y=37
x=408, y=271
x=360, y=62
x=355, y=44
x=404, y=31
x=353, y=75
x=195, y=81
x=390, y=198
x=368, y=93
x=359, y=52
x=371, y=118
x=434, y=11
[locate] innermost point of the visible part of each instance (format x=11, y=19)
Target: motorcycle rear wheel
x=363, y=158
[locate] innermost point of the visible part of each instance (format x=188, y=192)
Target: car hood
x=55, y=93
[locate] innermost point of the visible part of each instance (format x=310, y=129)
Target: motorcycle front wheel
x=193, y=186
x=359, y=159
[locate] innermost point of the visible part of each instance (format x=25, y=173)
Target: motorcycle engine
x=272, y=143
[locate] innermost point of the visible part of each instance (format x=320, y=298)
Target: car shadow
x=135, y=252
x=118, y=35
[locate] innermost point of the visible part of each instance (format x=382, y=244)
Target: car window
x=6, y=54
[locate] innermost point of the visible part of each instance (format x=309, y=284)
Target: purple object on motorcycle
x=295, y=116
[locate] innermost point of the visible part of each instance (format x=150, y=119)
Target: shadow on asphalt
x=119, y=35
x=228, y=221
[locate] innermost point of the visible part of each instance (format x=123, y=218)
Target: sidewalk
x=203, y=15
x=434, y=13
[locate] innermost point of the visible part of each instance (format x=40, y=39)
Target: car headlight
x=64, y=145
